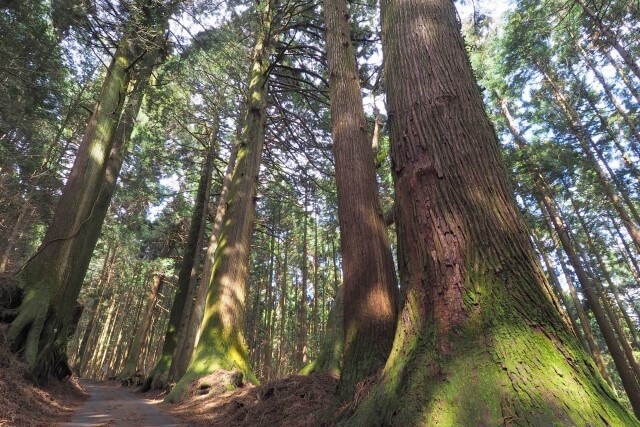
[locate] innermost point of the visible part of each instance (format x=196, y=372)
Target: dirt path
x=110, y=405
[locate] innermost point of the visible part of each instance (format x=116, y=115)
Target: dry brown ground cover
x=24, y=404
x=291, y=401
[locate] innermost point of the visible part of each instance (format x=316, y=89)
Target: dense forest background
x=560, y=81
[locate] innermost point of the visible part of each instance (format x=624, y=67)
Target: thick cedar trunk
x=479, y=342
x=187, y=274
x=370, y=289
x=53, y=276
x=221, y=344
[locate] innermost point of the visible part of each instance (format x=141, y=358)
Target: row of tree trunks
x=187, y=274
x=53, y=276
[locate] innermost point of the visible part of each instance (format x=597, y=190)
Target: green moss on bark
x=498, y=369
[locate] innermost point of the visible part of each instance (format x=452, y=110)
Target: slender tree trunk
x=610, y=38
x=612, y=99
x=587, y=144
x=283, y=310
x=553, y=278
x=605, y=274
x=623, y=76
x=370, y=288
x=478, y=337
x=131, y=365
x=187, y=275
x=589, y=289
x=302, y=314
x=582, y=315
x=606, y=126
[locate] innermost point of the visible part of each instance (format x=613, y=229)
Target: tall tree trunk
x=610, y=38
x=604, y=320
x=478, y=338
x=283, y=309
x=189, y=326
x=53, y=275
x=370, y=288
x=302, y=349
x=582, y=315
x=612, y=99
x=221, y=344
x=605, y=273
x=623, y=76
x=187, y=274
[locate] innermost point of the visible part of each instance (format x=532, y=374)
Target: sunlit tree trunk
x=609, y=37
x=221, y=345
x=369, y=284
x=53, y=276
x=612, y=99
x=479, y=341
x=191, y=320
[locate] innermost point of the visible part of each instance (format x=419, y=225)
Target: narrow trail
x=109, y=405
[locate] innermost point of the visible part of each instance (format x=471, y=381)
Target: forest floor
x=24, y=404
x=111, y=405
x=291, y=401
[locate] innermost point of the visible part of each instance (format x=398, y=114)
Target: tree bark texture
x=369, y=284
x=479, y=341
x=188, y=336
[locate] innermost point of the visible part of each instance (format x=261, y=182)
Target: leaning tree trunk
x=53, y=275
x=370, y=289
x=479, y=342
x=221, y=344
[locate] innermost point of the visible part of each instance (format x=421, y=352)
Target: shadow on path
x=110, y=405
